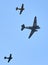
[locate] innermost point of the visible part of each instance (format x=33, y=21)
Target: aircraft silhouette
x=21, y=9
x=9, y=58
x=32, y=28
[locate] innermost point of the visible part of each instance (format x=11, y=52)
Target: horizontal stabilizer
x=16, y=8
x=4, y=57
x=23, y=26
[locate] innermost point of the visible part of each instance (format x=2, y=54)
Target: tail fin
x=4, y=57
x=23, y=26
x=16, y=8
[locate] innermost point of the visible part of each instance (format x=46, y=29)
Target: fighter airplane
x=21, y=9
x=9, y=58
x=32, y=28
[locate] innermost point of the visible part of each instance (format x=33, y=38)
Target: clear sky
x=33, y=51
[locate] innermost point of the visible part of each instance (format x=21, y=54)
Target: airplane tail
x=16, y=8
x=5, y=57
x=23, y=26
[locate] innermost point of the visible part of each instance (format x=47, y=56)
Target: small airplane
x=9, y=58
x=21, y=9
x=32, y=28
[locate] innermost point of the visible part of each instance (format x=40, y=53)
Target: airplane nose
x=39, y=27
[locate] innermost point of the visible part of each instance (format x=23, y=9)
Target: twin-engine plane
x=32, y=28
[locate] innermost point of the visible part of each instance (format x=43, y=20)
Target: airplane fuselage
x=33, y=27
x=20, y=8
x=8, y=57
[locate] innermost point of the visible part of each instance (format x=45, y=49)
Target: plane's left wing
x=31, y=33
x=21, y=11
x=9, y=60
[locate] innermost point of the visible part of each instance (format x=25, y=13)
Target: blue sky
x=33, y=51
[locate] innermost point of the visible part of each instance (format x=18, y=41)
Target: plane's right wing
x=22, y=6
x=10, y=57
x=35, y=21
x=31, y=33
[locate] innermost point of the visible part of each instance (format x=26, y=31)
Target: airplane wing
x=21, y=11
x=31, y=33
x=21, y=8
x=35, y=21
x=9, y=59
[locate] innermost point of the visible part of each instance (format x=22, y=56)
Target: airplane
x=32, y=28
x=9, y=58
x=21, y=9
